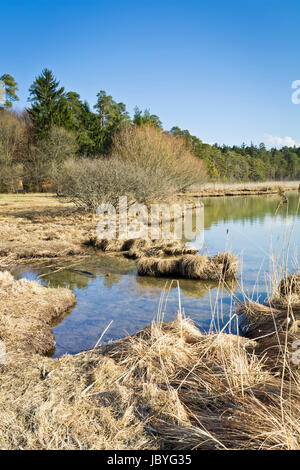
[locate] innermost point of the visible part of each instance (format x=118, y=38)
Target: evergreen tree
x=140, y=118
x=10, y=88
x=49, y=105
x=110, y=112
x=112, y=116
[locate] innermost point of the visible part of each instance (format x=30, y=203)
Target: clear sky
x=222, y=69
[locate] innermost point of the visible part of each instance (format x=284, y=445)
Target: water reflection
x=189, y=288
x=248, y=209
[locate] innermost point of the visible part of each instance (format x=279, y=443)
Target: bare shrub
x=9, y=177
x=46, y=158
x=158, y=152
x=12, y=137
x=145, y=164
x=12, y=144
x=89, y=183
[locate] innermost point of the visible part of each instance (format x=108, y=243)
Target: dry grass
x=275, y=325
x=138, y=247
x=288, y=290
x=47, y=404
x=242, y=189
x=203, y=267
x=166, y=387
x=41, y=226
x=27, y=310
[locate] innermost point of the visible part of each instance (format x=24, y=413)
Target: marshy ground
x=168, y=386
x=40, y=226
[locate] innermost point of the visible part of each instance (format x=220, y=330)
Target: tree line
x=58, y=124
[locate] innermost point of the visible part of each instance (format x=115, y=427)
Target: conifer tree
x=9, y=92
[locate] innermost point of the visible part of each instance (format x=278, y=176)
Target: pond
x=260, y=230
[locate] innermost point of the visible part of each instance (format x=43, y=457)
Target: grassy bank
x=27, y=310
x=243, y=189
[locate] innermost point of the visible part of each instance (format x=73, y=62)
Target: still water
x=258, y=229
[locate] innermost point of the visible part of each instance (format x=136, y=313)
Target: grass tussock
x=288, y=290
x=202, y=267
x=27, y=310
x=275, y=325
x=166, y=387
x=136, y=248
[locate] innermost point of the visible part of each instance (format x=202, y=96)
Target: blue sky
x=222, y=69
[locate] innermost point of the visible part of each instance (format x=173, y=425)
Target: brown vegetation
x=12, y=145
x=288, y=290
x=35, y=161
x=145, y=164
x=137, y=247
x=166, y=387
x=155, y=151
x=241, y=189
x=275, y=325
x=222, y=266
x=40, y=226
x=27, y=310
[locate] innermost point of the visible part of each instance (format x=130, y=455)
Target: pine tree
x=109, y=110
x=147, y=118
x=112, y=116
x=10, y=91
x=49, y=105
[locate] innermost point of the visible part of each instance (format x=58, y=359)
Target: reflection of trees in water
x=190, y=288
x=111, y=279
x=108, y=263
x=60, y=275
x=248, y=208
x=65, y=278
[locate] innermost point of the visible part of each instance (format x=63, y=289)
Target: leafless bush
x=46, y=158
x=89, y=183
x=12, y=137
x=9, y=177
x=145, y=164
x=12, y=145
x=159, y=152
